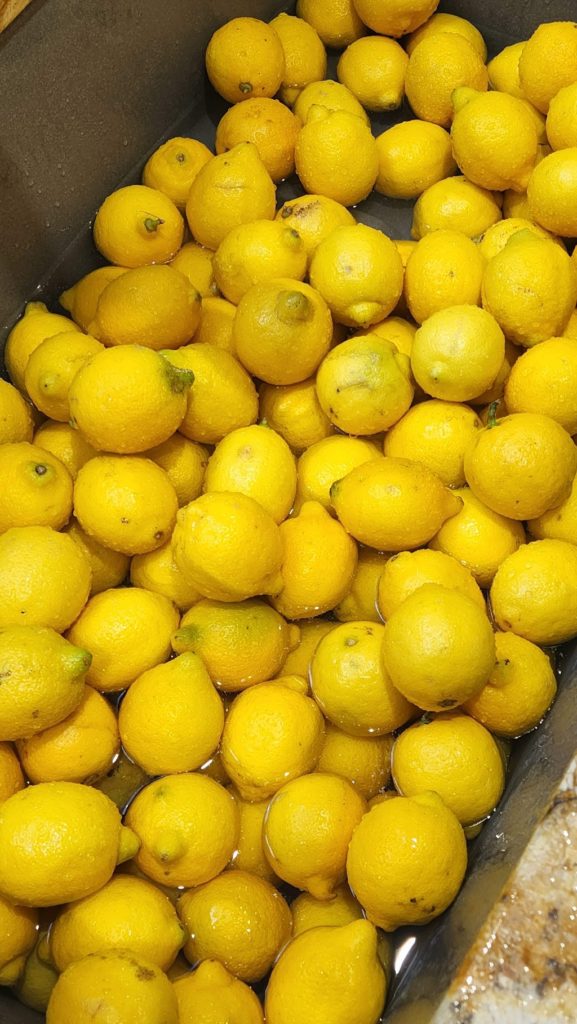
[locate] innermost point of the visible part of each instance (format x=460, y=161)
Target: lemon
x=247, y=461
x=454, y=756
x=238, y=919
x=305, y=55
x=336, y=21
x=52, y=368
x=441, y=63
x=216, y=320
x=516, y=204
x=552, y=191
x=128, y=631
x=365, y=761
x=373, y=68
x=269, y=125
x=249, y=854
x=496, y=392
x=184, y=462
x=44, y=578
x=15, y=415
x=137, y=225
x=494, y=139
x=361, y=601
x=400, y=883
x=443, y=22
x=393, y=504
x=336, y=156
x=172, y=718
x=82, y=298
x=364, y=385
x=437, y=434
x=128, y=399
x=314, y=217
x=294, y=412
x=157, y=571
x=328, y=974
x=36, y=980
x=278, y=317
x=244, y=59
x=34, y=326
x=548, y=62
x=206, y=993
x=258, y=252
x=544, y=380
x=109, y=568
x=228, y=546
x=273, y=733
x=394, y=328
x=559, y=523
x=18, y=926
x=60, y=841
x=350, y=684
x=136, y=990
x=173, y=167
x=188, y=827
x=445, y=269
x=456, y=205
x=405, y=573
x=561, y=122
x=329, y=460
x=496, y=237
x=241, y=177
x=195, y=262
x=438, y=647
x=37, y=489
x=478, y=537
x=522, y=465
x=309, y=912
x=125, y=503
x=66, y=444
x=240, y=644
x=298, y=660
x=412, y=156
x=224, y=396
x=457, y=353
x=534, y=593
x=11, y=775
x=503, y=70
x=153, y=306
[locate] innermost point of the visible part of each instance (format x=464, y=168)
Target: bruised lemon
x=364, y=385
x=314, y=217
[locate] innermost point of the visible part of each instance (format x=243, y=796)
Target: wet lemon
x=309, y=912
x=224, y=396
x=456, y=205
x=552, y=190
x=360, y=604
x=37, y=489
x=437, y=434
x=82, y=298
x=44, y=578
x=66, y=444
x=403, y=574
x=445, y=269
x=15, y=415
x=373, y=68
x=544, y=380
x=443, y=22
x=294, y=412
x=19, y=926
x=157, y=571
x=137, y=225
x=548, y=62
x=314, y=217
x=249, y=854
x=364, y=385
x=52, y=368
x=258, y=252
x=244, y=58
x=330, y=96
x=269, y=125
x=195, y=263
x=216, y=320
x=534, y=593
x=503, y=70
x=496, y=237
x=494, y=139
x=138, y=990
x=298, y=660
x=153, y=306
x=34, y=326
x=329, y=460
x=184, y=462
x=305, y=55
x=440, y=64
x=457, y=353
x=255, y=461
x=412, y=156
x=561, y=119
x=204, y=994
x=337, y=23
x=364, y=760
x=394, y=328
x=173, y=167
x=336, y=156
x=11, y=777
x=109, y=568
x=559, y=523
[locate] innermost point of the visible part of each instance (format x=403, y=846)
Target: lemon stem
x=492, y=415
x=152, y=223
x=292, y=307
x=245, y=87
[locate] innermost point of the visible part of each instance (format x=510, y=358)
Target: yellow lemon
x=60, y=841
x=544, y=380
x=295, y=413
x=309, y=912
x=188, y=827
x=495, y=393
x=394, y=328
x=404, y=573
x=185, y=464
x=399, y=17
x=457, y=353
x=561, y=122
x=128, y=631
x=34, y=326
x=400, y=883
x=329, y=460
x=328, y=974
x=307, y=831
x=195, y=262
x=37, y=489
x=37, y=979
x=205, y=994
x=298, y=661
x=44, y=578
x=244, y=59
x=238, y=919
x=280, y=317
x=249, y=854
x=137, y=225
x=66, y=444
x=442, y=22
x=80, y=748
x=336, y=21
x=454, y=756
x=364, y=760
x=273, y=733
x=438, y=647
x=494, y=139
x=109, y=568
x=456, y=205
x=559, y=523
x=82, y=298
x=350, y=684
x=216, y=320
x=157, y=571
x=224, y=397
x=172, y=718
x=520, y=690
x=153, y=306
x=437, y=434
x=478, y=537
x=522, y=465
x=364, y=385
x=249, y=194
x=258, y=252
x=393, y=504
x=373, y=68
x=441, y=63
x=361, y=601
x=125, y=503
x=516, y=204
x=128, y=399
x=11, y=775
x=314, y=218
x=228, y=546
x=240, y=644
x=336, y=156
x=247, y=461
x=305, y=55
x=496, y=237
x=503, y=70
x=412, y=156
x=548, y=62
x=552, y=192
x=136, y=989
x=173, y=167
x=318, y=564
x=445, y=269
x=534, y=592
x=18, y=926
x=269, y=125
x=15, y=415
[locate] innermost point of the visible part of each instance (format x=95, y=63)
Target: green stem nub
x=245, y=87
x=152, y=223
x=492, y=415
x=293, y=307
x=179, y=380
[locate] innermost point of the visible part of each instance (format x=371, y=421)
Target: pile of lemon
x=288, y=514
